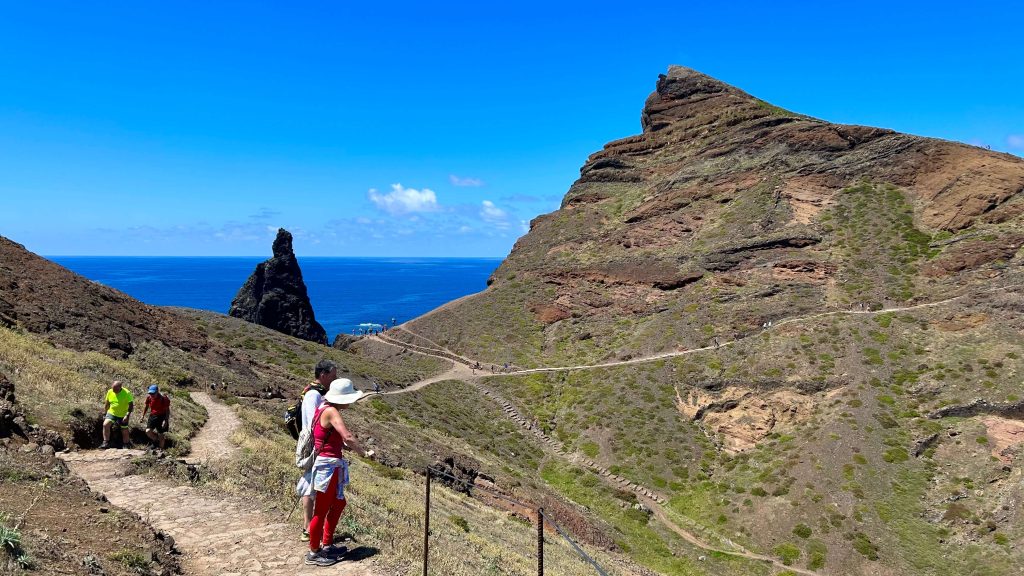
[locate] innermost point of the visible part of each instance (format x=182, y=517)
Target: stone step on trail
x=217, y=535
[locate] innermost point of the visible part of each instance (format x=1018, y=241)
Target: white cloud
x=494, y=215
x=459, y=181
x=404, y=200
x=524, y=226
x=1015, y=140
x=264, y=214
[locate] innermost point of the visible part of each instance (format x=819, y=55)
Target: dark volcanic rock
x=8, y=410
x=275, y=295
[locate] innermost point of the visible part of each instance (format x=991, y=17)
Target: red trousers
x=326, y=511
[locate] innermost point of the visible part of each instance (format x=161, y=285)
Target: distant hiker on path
x=117, y=406
x=312, y=397
x=330, y=470
x=159, y=407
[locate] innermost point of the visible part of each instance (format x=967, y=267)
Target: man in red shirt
x=159, y=407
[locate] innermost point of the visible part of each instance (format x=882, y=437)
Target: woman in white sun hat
x=330, y=470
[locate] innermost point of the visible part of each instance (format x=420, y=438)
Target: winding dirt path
x=213, y=442
x=461, y=370
x=218, y=536
x=741, y=552
x=439, y=353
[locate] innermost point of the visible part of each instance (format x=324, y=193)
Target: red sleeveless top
x=326, y=441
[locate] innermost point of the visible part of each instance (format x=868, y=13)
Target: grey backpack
x=305, y=455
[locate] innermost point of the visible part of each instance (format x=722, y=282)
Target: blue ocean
x=345, y=292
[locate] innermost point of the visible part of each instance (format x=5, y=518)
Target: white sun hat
x=342, y=392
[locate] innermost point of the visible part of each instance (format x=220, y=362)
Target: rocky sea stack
x=275, y=295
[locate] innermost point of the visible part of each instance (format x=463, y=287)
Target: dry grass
x=56, y=385
x=387, y=513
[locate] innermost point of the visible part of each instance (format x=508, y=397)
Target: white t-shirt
x=310, y=402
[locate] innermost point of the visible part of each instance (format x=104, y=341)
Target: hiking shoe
x=104, y=446
x=334, y=550
x=318, y=559
x=304, y=536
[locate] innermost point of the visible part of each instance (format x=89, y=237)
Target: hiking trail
x=213, y=441
x=217, y=535
x=462, y=369
x=446, y=354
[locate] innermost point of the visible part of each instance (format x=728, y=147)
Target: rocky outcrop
x=1014, y=410
x=725, y=198
x=275, y=295
x=344, y=341
x=11, y=419
x=740, y=417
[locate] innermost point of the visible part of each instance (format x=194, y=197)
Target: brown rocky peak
x=686, y=93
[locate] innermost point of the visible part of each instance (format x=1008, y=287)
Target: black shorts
x=156, y=422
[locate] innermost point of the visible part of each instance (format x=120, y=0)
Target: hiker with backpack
x=312, y=397
x=329, y=469
x=159, y=407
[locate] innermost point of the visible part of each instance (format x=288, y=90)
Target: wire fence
x=540, y=517
x=576, y=547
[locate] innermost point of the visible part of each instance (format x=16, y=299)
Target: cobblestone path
x=216, y=536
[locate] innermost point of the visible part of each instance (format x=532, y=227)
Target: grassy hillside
x=812, y=403
x=63, y=389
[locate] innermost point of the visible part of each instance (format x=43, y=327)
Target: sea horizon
x=345, y=291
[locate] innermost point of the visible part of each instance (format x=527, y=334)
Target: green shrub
x=897, y=454
x=802, y=530
x=873, y=356
x=788, y=553
x=816, y=552
x=10, y=539
x=460, y=522
x=863, y=544
x=133, y=560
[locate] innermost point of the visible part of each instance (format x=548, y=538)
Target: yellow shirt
x=119, y=402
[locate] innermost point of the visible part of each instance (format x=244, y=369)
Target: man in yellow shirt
x=118, y=405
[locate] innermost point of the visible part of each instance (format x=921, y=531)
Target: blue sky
x=417, y=129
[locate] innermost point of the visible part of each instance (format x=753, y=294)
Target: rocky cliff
x=275, y=295
x=752, y=311
x=725, y=197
